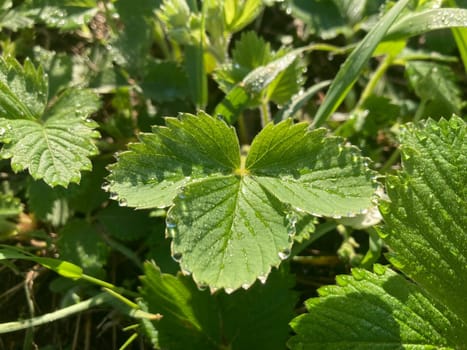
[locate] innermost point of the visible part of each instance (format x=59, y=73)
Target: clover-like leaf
x=424, y=227
x=230, y=218
x=53, y=143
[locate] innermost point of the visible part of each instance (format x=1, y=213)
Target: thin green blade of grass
x=354, y=64
x=460, y=36
x=425, y=21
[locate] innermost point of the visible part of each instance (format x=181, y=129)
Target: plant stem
x=375, y=78
x=56, y=315
x=265, y=113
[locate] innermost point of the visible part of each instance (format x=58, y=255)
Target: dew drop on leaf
x=177, y=257
x=202, y=286
x=122, y=202
x=229, y=290
x=113, y=196
x=284, y=254
x=105, y=186
x=2, y=131
x=263, y=279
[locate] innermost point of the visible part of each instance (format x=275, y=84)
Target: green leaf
x=460, y=35
x=80, y=243
x=152, y=172
x=425, y=21
x=134, y=39
x=194, y=319
x=125, y=224
x=165, y=81
x=298, y=101
x=379, y=310
x=253, y=84
x=54, y=145
x=229, y=222
x=10, y=208
x=436, y=85
x=196, y=72
x=63, y=268
x=354, y=64
x=239, y=13
x=427, y=215
x=310, y=172
x=322, y=17
x=23, y=91
x=425, y=222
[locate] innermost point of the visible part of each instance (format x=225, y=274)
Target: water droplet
x=202, y=286
x=2, y=131
x=185, y=272
x=105, y=186
x=177, y=257
x=171, y=224
x=246, y=285
x=284, y=254
x=114, y=196
x=229, y=290
x=263, y=279
x=122, y=202
x=9, y=127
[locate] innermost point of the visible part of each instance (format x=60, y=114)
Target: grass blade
x=354, y=64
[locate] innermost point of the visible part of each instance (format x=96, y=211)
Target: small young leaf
x=239, y=13
x=253, y=84
x=436, y=85
x=229, y=222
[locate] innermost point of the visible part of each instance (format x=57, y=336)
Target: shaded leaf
x=194, y=319
x=436, y=85
x=80, y=243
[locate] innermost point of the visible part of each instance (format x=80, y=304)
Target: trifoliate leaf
x=427, y=215
x=379, y=310
x=53, y=144
x=436, y=85
x=194, y=319
x=229, y=219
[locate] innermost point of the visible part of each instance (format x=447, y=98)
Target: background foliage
x=267, y=146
